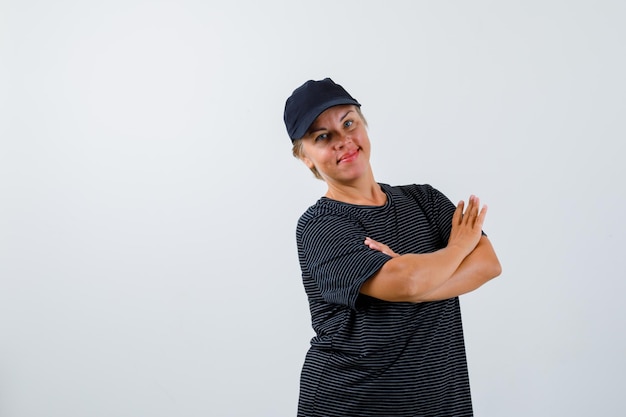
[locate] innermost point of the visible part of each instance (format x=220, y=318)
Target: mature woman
x=382, y=267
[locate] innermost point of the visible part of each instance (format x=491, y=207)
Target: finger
x=457, y=217
x=475, y=209
x=480, y=220
x=465, y=216
x=380, y=247
x=387, y=251
x=370, y=242
x=472, y=211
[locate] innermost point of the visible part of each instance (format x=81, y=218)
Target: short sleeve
x=443, y=210
x=334, y=257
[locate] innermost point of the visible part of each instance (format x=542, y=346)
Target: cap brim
x=313, y=114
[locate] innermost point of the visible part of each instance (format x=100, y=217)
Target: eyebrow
x=324, y=128
x=346, y=115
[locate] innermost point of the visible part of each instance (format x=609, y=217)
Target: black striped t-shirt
x=371, y=357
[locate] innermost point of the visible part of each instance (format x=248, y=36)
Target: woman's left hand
x=381, y=247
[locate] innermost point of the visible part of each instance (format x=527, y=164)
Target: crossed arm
x=465, y=264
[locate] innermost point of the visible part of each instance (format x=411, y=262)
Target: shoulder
x=429, y=199
x=320, y=209
x=420, y=192
x=327, y=214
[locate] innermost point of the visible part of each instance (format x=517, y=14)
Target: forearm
x=476, y=269
x=467, y=262
x=411, y=277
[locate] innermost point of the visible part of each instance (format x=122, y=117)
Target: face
x=337, y=145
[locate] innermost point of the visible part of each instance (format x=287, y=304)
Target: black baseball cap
x=309, y=101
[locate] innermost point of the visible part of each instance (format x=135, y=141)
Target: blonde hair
x=298, y=149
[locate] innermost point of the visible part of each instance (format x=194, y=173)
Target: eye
x=321, y=137
x=348, y=123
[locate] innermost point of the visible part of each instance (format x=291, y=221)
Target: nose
x=342, y=139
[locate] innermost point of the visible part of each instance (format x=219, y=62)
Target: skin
x=338, y=146
x=464, y=265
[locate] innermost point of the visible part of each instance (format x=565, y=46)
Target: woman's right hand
x=467, y=225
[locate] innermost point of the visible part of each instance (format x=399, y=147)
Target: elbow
x=406, y=287
x=495, y=268
x=488, y=270
x=412, y=289
x=491, y=264
x=417, y=287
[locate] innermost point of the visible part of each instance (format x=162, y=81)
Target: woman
x=382, y=267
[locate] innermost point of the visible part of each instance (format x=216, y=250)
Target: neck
x=366, y=194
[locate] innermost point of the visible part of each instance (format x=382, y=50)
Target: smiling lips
x=349, y=157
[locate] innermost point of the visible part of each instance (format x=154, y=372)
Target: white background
x=148, y=196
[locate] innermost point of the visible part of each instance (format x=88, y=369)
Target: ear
x=307, y=162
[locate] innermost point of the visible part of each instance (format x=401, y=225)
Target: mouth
x=348, y=157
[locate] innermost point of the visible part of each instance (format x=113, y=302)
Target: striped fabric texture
x=370, y=357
